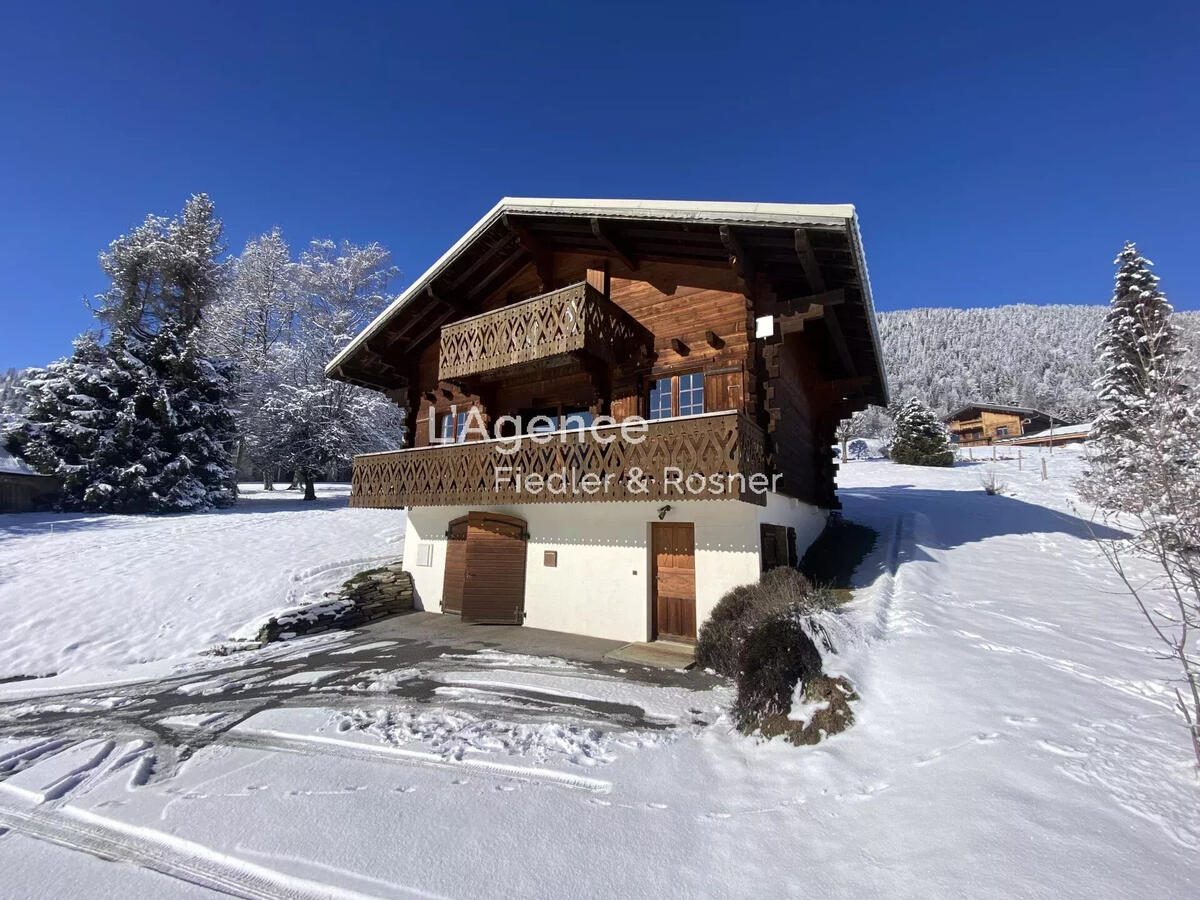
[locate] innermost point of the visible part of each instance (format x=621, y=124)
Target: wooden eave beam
x=808, y=261
x=433, y=326
x=737, y=257
x=543, y=256
x=484, y=258
x=839, y=342
x=605, y=236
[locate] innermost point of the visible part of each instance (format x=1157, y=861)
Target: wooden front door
x=494, y=587
x=673, y=554
x=456, y=566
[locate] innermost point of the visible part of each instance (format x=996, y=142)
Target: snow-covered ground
x=88, y=590
x=1015, y=739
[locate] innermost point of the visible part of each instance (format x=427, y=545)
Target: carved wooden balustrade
x=713, y=446
x=569, y=320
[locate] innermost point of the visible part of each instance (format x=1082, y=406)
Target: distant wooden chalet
x=981, y=424
x=742, y=332
x=22, y=489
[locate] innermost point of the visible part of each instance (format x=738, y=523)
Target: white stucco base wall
x=601, y=583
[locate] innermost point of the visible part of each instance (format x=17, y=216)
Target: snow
x=1014, y=738
x=82, y=591
x=1061, y=432
x=12, y=465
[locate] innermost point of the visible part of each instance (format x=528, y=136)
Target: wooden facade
x=981, y=425
x=23, y=492
x=561, y=313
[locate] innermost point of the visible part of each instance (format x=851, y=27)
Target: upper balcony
x=552, y=326
x=723, y=449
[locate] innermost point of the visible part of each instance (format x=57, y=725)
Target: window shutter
x=723, y=389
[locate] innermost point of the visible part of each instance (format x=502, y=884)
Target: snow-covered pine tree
x=12, y=395
x=68, y=418
x=1139, y=349
x=921, y=439
x=1144, y=462
x=139, y=423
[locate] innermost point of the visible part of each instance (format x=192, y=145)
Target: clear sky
x=997, y=152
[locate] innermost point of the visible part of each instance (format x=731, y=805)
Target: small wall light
x=662, y=512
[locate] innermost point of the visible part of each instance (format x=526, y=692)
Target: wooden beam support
x=597, y=276
x=604, y=234
x=484, y=258
x=839, y=343
x=737, y=258
x=679, y=347
x=543, y=256
x=434, y=324
x=713, y=340
x=808, y=261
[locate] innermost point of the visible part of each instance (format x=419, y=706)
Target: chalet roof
x=1059, y=432
x=12, y=465
x=1000, y=407
x=498, y=246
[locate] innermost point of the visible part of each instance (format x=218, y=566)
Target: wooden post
x=971, y=452
x=1043, y=468
x=1019, y=461
x=993, y=452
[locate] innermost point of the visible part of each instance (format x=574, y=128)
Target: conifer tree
x=920, y=438
x=1139, y=348
x=140, y=423
x=1144, y=465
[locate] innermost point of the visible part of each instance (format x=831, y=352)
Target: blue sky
x=997, y=153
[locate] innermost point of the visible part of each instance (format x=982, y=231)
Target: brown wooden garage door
x=485, y=569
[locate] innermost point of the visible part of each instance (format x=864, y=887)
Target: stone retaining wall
x=370, y=595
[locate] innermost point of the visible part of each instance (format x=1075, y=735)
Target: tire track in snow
x=263, y=739
x=175, y=857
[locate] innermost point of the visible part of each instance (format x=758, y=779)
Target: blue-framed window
x=454, y=427
x=677, y=395
x=661, y=406
x=691, y=394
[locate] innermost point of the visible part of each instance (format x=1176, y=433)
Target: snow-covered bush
x=921, y=440
x=991, y=485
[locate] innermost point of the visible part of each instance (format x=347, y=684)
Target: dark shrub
x=776, y=655
x=719, y=644
x=783, y=587
x=832, y=715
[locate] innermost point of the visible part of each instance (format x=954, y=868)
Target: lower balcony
x=714, y=456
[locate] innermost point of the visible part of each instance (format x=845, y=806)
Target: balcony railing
x=572, y=319
x=673, y=456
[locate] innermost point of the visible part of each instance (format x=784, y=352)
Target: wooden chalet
x=22, y=489
x=981, y=424
x=741, y=332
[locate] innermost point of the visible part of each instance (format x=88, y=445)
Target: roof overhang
x=707, y=217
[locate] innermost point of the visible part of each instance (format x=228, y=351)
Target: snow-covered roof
x=1058, y=432
x=10, y=465
x=1001, y=407
x=719, y=213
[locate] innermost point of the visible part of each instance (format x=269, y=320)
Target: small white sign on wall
x=424, y=554
x=764, y=326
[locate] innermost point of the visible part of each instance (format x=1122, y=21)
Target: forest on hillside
x=1023, y=355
